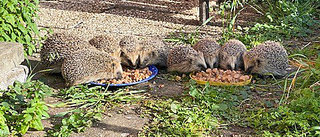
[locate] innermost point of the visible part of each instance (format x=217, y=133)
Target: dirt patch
x=117, y=125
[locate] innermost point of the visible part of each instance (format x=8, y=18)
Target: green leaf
x=223, y=107
x=10, y=6
x=34, y=28
x=24, y=128
x=29, y=50
x=174, y=108
x=4, y=2
x=7, y=38
x=22, y=29
x=36, y=124
x=27, y=117
x=193, y=92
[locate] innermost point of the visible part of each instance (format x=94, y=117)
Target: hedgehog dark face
x=228, y=62
x=191, y=64
x=198, y=62
x=253, y=64
x=212, y=61
x=117, y=69
x=147, y=58
x=130, y=59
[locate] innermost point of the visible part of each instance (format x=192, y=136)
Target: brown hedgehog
x=185, y=59
x=57, y=47
x=90, y=65
x=153, y=52
x=210, y=49
x=129, y=51
x=106, y=43
x=268, y=57
x=231, y=55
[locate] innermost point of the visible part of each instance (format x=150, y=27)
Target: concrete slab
x=11, y=55
x=19, y=73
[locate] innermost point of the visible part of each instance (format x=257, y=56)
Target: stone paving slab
x=11, y=55
x=19, y=73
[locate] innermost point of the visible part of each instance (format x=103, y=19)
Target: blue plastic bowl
x=152, y=68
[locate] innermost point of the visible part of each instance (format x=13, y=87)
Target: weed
x=18, y=25
x=280, y=20
x=200, y=112
x=90, y=103
x=23, y=108
x=77, y=121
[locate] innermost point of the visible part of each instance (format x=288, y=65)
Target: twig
x=315, y=84
x=76, y=25
x=306, y=45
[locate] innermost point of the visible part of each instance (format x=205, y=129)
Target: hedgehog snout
x=249, y=70
x=216, y=65
x=202, y=66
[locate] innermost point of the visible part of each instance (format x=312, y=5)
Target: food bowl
x=242, y=83
x=152, y=68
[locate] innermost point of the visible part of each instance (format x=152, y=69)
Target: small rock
x=19, y=73
x=161, y=85
x=177, y=78
x=11, y=55
x=128, y=117
x=125, y=134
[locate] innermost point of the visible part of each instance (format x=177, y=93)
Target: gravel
x=75, y=18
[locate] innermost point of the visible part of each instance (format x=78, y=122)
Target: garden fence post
x=203, y=10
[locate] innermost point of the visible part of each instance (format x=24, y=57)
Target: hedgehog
x=210, y=49
x=153, y=52
x=90, y=65
x=106, y=43
x=185, y=59
x=129, y=51
x=57, y=47
x=266, y=58
x=231, y=55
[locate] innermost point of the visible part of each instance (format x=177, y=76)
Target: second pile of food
x=216, y=75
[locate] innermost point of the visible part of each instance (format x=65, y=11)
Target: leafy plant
x=178, y=118
x=280, y=20
x=89, y=104
x=298, y=111
x=294, y=119
x=23, y=108
x=18, y=25
x=78, y=120
x=84, y=97
x=198, y=113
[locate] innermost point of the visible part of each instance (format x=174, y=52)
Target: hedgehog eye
x=153, y=53
x=122, y=54
x=258, y=62
x=190, y=61
x=113, y=65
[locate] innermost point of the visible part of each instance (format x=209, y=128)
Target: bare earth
x=88, y=18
